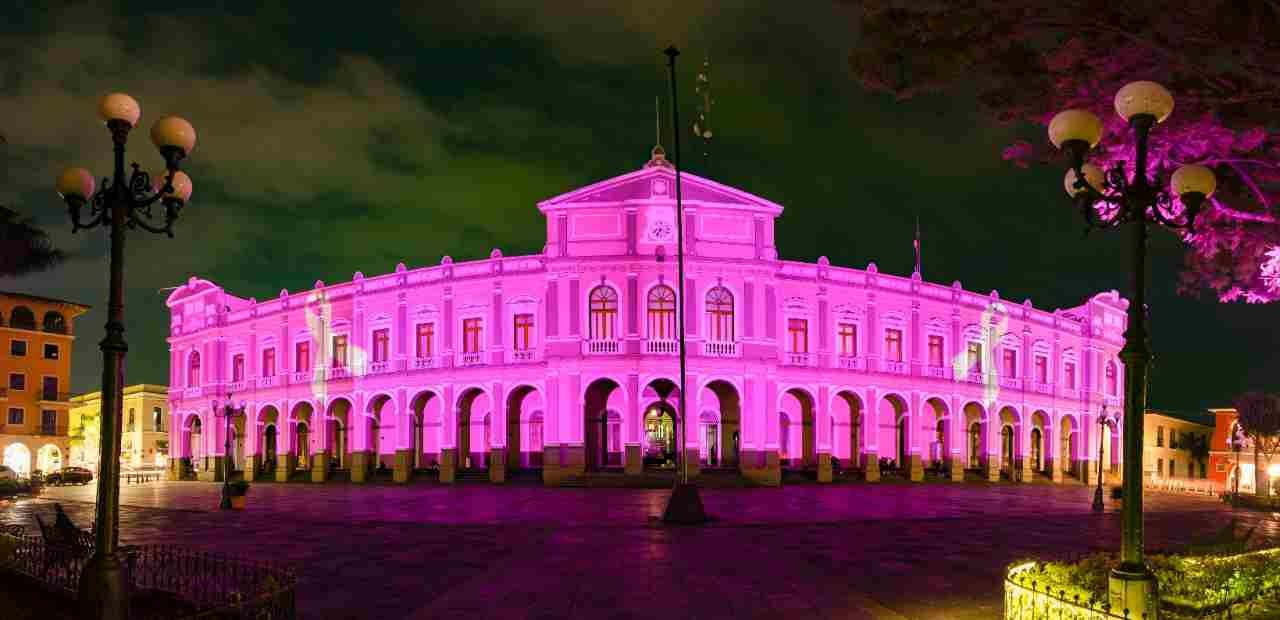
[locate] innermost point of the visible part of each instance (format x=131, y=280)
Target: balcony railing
x=473, y=358
x=53, y=396
x=661, y=347
x=522, y=355
x=893, y=367
x=338, y=372
x=192, y=392
x=1012, y=383
x=377, y=368
x=937, y=372
x=720, y=349
x=1070, y=392
x=300, y=377
x=975, y=376
x=237, y=386
x=267, y=382
x=1044, y=388
x=597, y=347
x=851, y=362
x=423, y=362
x=796, y=359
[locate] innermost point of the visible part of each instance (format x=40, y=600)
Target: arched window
x=603, y=312
x=1113, y=383
x=193, y=369
x=157, y=420
x=662, y=313
x=720, y=314
x=22, y=318
x=55, y=322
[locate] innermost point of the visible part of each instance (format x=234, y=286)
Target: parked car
x=7, y=473
x=70, y=475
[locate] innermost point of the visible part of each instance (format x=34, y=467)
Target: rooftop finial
x=658, y=157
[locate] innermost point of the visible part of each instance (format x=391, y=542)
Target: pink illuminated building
x=564, y=363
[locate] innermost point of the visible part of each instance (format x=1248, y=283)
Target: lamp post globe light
x=1104, y=421
x=121, y=204
x=228, y=411
x=1113, y=198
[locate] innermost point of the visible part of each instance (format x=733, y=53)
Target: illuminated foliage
x=1025, y=60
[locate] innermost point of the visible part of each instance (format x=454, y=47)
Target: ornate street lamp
x=1237, y=442
x=1114, y=198
x=1104, y=421
x=227, y=411
x=119, y=204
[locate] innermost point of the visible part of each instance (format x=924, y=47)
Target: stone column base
x=448, y=465
x=360, y=466
x=695, y=462
x=1026, y=473
x=633, y=463
x=1055, y=469
x=284, y=466
x=1139, y=594
x=497, y=465
x=871, y=465
x=403, y=467
x=956, y=469
x=768, y=473
x=216, y=471
x=1088, y=471
x=915, y=467
x=175, y=469
x=993, y=469
x=320, y=466
x=824, y=467
x=252, y=465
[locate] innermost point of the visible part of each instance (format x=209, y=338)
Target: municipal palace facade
x=564, y=364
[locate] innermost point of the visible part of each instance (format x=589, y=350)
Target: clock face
x=660, y=230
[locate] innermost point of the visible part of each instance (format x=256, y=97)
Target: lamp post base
x=684, y=507
x=1134, y=594
x=1098, y=506
x=104, y=588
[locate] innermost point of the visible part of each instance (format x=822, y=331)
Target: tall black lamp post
x=1104, y=421
x=228, y=411
x=1120, y=197
x=121, y=204
x=1237, y=442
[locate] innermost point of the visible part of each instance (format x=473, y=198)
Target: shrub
x=238, y=488
x=1117, y=492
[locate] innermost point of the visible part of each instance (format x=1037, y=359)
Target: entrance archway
x=49, y=458
x=602, y=397
x=522, y=402
x=428, y=418
x=659, y=441
x=1011, y=448
x=301, y=418
x=337, y=433
x=1069, y=455
x=473, y=429
x=796, y=436
x=896, y=418
x=268, y=419
x=1041, y=445
x=938, y=431
x=846, y=435
x=720, y=432
x=374, y=421
x=18, y=458
x=975, y=420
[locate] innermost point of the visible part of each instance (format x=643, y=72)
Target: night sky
x=337, y=141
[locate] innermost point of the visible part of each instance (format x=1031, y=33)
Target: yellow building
x=145, y=442
x=1170, y=453
x=35, y=363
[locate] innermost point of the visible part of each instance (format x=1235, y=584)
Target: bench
x=140, y=477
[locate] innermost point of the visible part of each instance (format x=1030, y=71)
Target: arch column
x=957, y=430
x=632, y=461
x=870, y=436
x=822, y=418
x=689, y=435
x=403, y=464
x=498, y=432
x=448, y=435
x=915, y=417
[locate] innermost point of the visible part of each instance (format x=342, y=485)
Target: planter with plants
x=238, y=490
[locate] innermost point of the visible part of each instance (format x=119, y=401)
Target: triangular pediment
x=657, y=183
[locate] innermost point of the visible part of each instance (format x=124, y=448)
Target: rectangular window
x=17, y=381
x=1191, y=470
x=51, y=351
x=340, y=351
x=472, y=335
x=1173, y=439
x=1204, y=473
x=798, y=335
x=237, y=367
x=269, y=362
x=1159, y=468
x=1010, y=363
x=381, y=344
x=15, y=415
x=1159, y=436
x=1069, y=374
x=847, y=334
x=893, y=345
x=48, y=422
x=523, y=329
x=935, y=351
x=1042, y=369
x=1173, y=468
x=302, y=356
x=18, y=348
x=974, y=355
x=49, y=388
x=425, y=333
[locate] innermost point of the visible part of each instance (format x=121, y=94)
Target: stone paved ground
x=835, y=551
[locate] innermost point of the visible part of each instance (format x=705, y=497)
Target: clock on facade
x=660, y=230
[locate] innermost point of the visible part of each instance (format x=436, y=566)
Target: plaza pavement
x=891, y=550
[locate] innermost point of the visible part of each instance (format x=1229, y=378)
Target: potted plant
x=238, y=489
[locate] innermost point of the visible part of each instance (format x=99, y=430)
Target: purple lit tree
x=1025, y=60
x=1258, y=415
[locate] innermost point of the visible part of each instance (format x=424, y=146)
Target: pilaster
x=497, y=465
x=360, y=461
x=320, y=466
x=403, y=466
x=448, y=461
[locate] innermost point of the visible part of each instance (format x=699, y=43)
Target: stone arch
x=524, y=442
x=1070, y=445
x=302, y=432
x=1011, y=449
x=977, y=428
x=1040, y=447
x=602, y=397
x=719, y=437
x=938, y=431
x=337, y=432
x=474, y=428
x=379, y=424
x=427, y=420
x=848, y=428
x=797, y=439
x=49, y=458
x=268, y=424
x=54, y=322
x=17, y=456
x=894, y=421
x=21, y=317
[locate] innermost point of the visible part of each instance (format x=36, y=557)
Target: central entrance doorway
x=659, y=448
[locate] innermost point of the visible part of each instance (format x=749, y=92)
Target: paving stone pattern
x=804, y=551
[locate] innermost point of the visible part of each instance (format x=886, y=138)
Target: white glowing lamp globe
x=119, y=107
x=174, y=131
x=1092, y=174
x=1193, y=178
x=75, y=182
x=1144, y=97
x=1075, y=124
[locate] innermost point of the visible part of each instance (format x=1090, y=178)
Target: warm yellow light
x=1144, y=97
x=174, y=131
x=1193, y=178
x=1273, y=470
x=1092, y=174
x=75, y=182
x=1075, y=124
x=119, y=107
